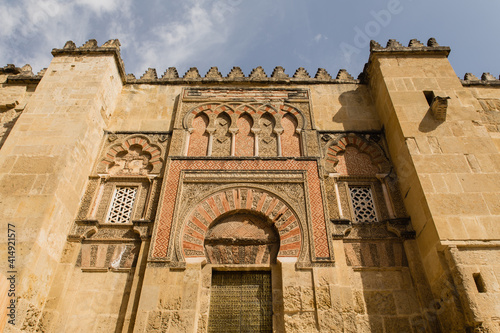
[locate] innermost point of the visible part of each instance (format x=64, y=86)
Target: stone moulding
x=390, y=228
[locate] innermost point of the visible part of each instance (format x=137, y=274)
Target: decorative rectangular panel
x=122, y=205
x=240, y=302
x=363, y=204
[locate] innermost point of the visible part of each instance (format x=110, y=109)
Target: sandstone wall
x=45, y=163
x=448, y=169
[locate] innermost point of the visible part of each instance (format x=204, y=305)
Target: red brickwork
x=198, y=142
x=167, y=206
x=358, y=157
x=290, y=143
x=265, y=116
x=254, y=200
x=245, y=141
x=352, y=162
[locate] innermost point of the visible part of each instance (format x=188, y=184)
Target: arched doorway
x=241, y=300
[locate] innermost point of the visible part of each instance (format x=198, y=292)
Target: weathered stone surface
x=251, y=173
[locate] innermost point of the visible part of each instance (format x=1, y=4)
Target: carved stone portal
x=242, y=239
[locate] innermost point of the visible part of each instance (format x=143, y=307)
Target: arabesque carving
x=133, y=155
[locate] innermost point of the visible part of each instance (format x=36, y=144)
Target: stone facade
x=281, y=203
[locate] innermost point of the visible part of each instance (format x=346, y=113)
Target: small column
x=210, y=140
x=255, y=132
x=387, y=198
x=97, y=198
x=335, y=177
x=147, y=204
x=278, y=139
x=186, y=145
x=233, y=140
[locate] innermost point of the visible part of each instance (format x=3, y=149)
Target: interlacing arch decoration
x=353, y=155
x=245, y=200
x=225, y=117
x=134, y=155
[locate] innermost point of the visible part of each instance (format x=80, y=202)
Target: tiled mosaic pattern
x=354, y=163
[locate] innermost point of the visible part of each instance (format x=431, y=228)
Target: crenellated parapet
x=486, y=80
x=257, y=75
x=21, y=74
x=111, y=47
x=414, y=47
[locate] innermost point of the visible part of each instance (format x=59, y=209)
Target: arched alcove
x=198, y=142
x=241, y=238
x=290, y=140
x=244, y=138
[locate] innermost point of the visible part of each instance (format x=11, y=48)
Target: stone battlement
x=257, y=75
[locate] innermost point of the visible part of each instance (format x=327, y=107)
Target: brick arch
x=254, y=110
x=153, y=151
x=223, y=108
x=339, y=147
x=245, y=108
x=251, y=200
x=208, y=108
x=267, y=108
x=284, y=109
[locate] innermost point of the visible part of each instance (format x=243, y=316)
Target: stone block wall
x=44, y=165
x=447, y=168
x=424, y=260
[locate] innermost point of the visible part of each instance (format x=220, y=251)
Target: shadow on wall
x=357, y=111
x=429, y=123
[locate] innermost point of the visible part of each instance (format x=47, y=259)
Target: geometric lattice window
x=363, y=204
x=122, y=204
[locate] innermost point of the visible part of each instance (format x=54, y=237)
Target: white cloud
x=100, y=6
x=319, y=37
x=203, y=26
x=32, y=27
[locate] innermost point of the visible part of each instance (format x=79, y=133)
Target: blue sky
x=226, y=33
